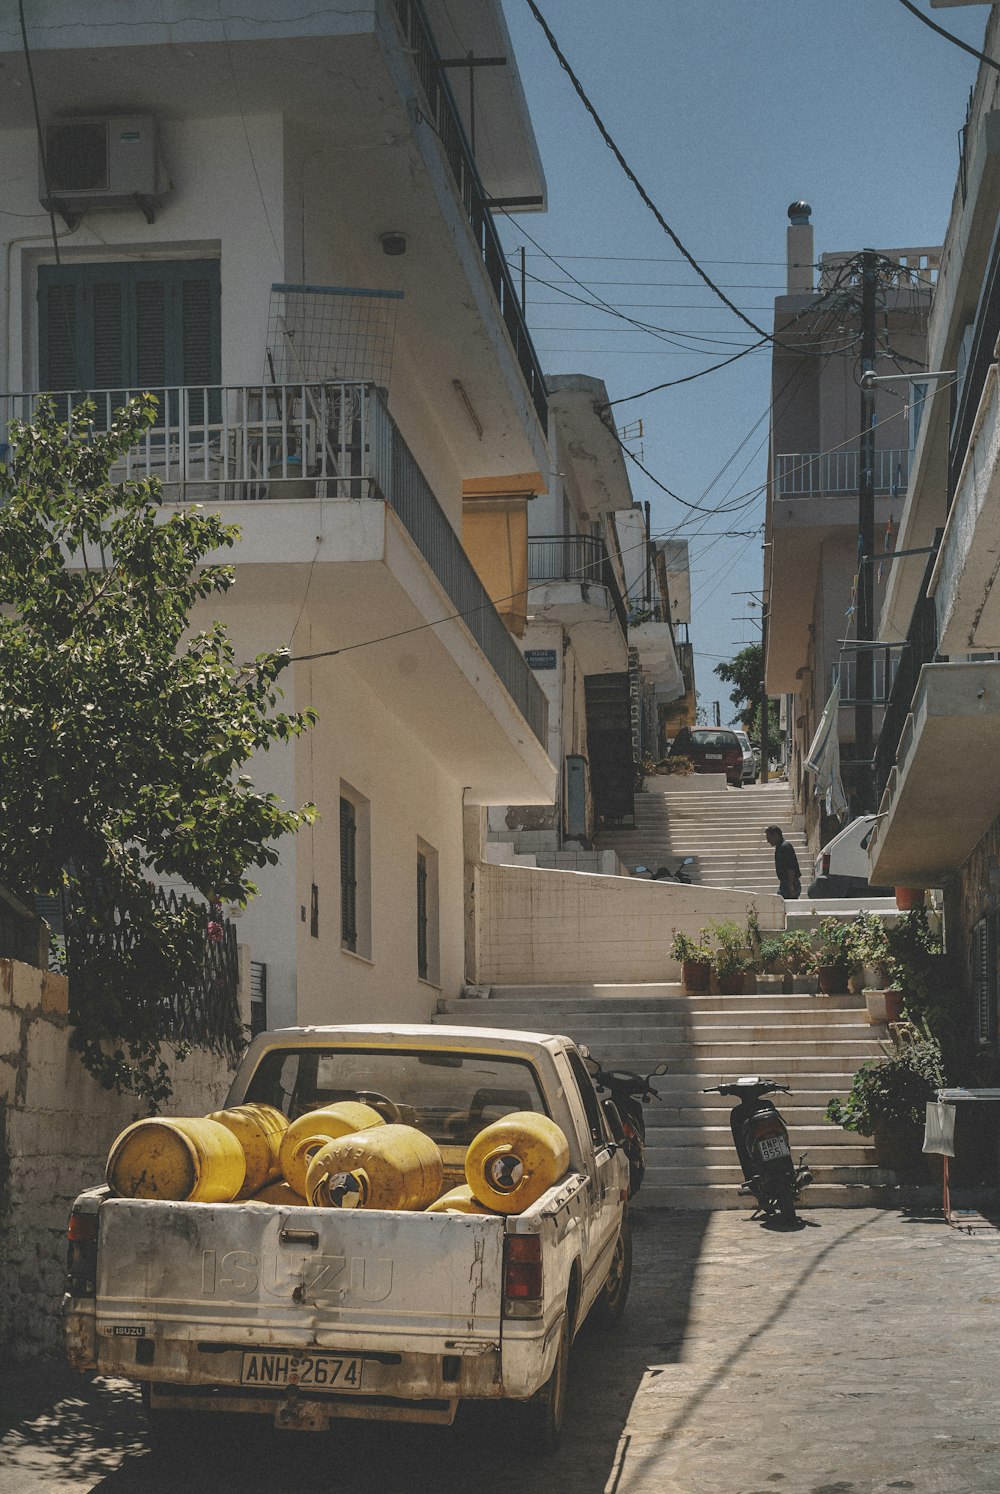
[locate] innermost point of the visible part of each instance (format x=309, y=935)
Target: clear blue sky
x=727, y=110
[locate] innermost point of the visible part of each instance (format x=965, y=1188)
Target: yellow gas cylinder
x=307, y=1134
x=188, y=1158
x=258, y=1129
x=458, y=1201
x=394, y=1167
x=512, y=1162
x=279, y=1193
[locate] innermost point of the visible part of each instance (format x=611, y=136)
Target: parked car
x=712, y=749
x=842, y=865
x=750, y=757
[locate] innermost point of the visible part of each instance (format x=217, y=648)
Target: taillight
x=522, y=1270
x=81, y=1255
x=768, y=1128
x=826, y=864
x=629, y=1130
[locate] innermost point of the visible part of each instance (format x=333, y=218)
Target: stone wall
x=56, y=1126
x=539, y=927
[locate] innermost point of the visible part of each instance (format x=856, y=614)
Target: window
x=132, y=325
x=588, y=1095
x=428, y=942
x=355, y=873
x=984, y=978
x=258, y=997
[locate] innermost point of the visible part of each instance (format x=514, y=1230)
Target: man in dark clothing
x=786, y=864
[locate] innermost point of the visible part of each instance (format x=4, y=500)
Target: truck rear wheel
x=610, y=1304
x=171, y=1435
x=541, y=1418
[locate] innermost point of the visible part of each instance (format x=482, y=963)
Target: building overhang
x=931, y=815
x=964, y=582
x=588, y=614
x=351, y=584
x=798, y=530
x=589, y=442
x=654, y=643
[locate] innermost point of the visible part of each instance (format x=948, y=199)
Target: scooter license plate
x=772, y=1147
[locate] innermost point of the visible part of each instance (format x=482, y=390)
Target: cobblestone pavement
x=857, y=1355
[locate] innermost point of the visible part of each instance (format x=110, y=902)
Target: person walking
x=786, y=864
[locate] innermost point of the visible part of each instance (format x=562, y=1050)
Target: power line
x=949, y=35
x=637, y=184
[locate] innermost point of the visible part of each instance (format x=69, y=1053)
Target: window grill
x=984, y=978
x=258, y=997
x=348, y=876
x=422, y=960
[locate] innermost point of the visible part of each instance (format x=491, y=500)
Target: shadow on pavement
x=90, y=1434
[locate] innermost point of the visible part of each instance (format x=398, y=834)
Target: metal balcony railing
x=576, y=557
x=446, y=122
x=920, y=649
x=827, y=474
x=310, y=440
x=967, y=393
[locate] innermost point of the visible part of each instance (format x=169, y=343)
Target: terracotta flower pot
x=832, y=979
x=898, y=1148
x=883, y=1006
x=738, y=984
x=909, y=897
x=695, y=975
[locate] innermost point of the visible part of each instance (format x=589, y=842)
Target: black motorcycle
x=761, y=1139
x=664, y=874
x=629, y=1092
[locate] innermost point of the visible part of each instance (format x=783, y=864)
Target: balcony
x=653, y=642
x=964, y=584
x=931, y=815
x=319, y=473
x=571, y=581
x=821, y=474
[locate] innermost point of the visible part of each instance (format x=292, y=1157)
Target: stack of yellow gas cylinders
x=341, y=1156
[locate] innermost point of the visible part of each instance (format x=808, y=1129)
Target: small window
x=355, y=875
x=428, y=937
x=588, y=1095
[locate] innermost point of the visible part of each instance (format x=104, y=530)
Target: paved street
x=860, y=1354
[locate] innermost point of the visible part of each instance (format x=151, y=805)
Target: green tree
x=745, y=671
x=123, y=735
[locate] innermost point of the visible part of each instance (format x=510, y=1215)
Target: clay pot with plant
x=732, y=962
x=888, y=1099
x=695, y=958
x=835, y=955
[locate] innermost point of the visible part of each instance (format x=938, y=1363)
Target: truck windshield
x=450, y=1096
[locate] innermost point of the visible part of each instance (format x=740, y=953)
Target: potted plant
x=887, y=1101
x=798, y=963
x=771, y=962
x=695, y=957
x=884, y=999
x=835, y=955
x=732, y=962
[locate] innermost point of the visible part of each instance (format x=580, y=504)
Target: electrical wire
x=948, y=35
x=246, y=135
x=42, y=152
x=637, y=184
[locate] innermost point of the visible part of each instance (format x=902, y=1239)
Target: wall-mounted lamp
x=393, y=242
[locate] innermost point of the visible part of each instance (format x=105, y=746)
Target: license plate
x=315, y=1372
x=713, y=757
x=772, y=1147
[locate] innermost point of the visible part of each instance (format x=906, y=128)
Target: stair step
x=818, y=1196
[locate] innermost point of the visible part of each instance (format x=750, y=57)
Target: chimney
x=800, y=250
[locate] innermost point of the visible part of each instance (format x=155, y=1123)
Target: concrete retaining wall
x=539, y=927
x=56, y=1125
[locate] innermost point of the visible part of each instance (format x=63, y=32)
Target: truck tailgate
x=256, y=1274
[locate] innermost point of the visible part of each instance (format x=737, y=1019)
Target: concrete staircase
x=812, y=1043
x=721, y=827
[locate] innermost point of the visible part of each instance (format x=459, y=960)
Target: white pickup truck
x=307, y=1314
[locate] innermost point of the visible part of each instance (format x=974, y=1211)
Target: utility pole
x=864, y=670
x=765, y=742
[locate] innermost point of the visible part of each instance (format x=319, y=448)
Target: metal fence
x=819, y=474
x=336, y=440
x=576, y=557
x=447, y=125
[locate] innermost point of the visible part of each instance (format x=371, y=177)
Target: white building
x=193, y=165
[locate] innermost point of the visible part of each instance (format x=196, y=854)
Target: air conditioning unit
x=112, y=161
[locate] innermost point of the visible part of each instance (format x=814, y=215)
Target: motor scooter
x=629, y=1092
x=664, y=874
x=761, y=1139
